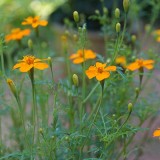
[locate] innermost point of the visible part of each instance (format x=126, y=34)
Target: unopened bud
x=75, y=37
x=105, y=10
x=133, y=38
x=118, y=27
x=40, y=130
x=67, y=33
x=117, y=13
x=12, y=87
x=76, y=16
x=75, y=80
x=97, y=12
x=126, y=5
x=50, y=61
x=137, y=91
x=30, y=43
x=66, y=138
x=130, y=106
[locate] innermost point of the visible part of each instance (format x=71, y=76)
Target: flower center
x=29, y=59
x=35, y=20
x=140, y=62
x=100, y=69
x=81, y=54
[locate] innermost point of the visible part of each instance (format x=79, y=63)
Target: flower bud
x=126, y=5
x=118, y=27
x=75, y=80
x=76, y=16
x=50, y=61
x=133, y=38
x=117, y=13
x=97, y=12
x=105, y=10
x=75, y=37
x=40, y=130
x=30, y=43
x=130, y=106
x=137, y=91
x=12, y=87
x=66, y=138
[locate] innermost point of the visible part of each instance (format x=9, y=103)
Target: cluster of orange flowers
x=18, y=34
x=101, y=71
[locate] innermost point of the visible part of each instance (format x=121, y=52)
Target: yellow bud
x=76, y=16
x=118, y=27
x=40, y=130
x=12, y=87
x=117, y=13
x=133, y=38
x=30, y=43
x=126, y=5
x=64, y=39
x=130, y=106
x=75, y=37
x=75, y=80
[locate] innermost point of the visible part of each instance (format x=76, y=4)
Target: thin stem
x=2, y=61
x=91, y=92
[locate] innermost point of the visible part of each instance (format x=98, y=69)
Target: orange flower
x=156, y=33
x=121, y=61
x=34, y=22
x=156, y=133
x=100, y=71
x=17, y=34
x=29, y=62
x=82, y=56
x=140, y=63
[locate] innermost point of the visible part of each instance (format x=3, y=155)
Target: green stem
x=91, y=92
x=96, y=111
x=31, y=75
x=2, y=61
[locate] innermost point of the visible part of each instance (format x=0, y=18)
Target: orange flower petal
x=121, y=60
x=34, y=25
x=25, y=67
x=149, y=66
x=89, y=54
x=102, y=76
x=99, y=65
x=73, y=56
x=40, y=66
x=150, y=61
x=91, y=72
x=18, y=65
x=78, y=60
x=43, y=23
x=133, y=66
x=156, y=133
x=111, y=68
